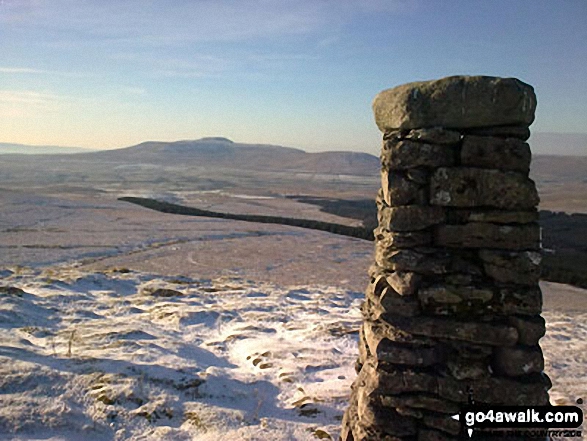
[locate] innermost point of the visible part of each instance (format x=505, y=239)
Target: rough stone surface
x=377, y=330
x=404, y=154
x=520, y=300
x=443, y=423
x=455, y=102
x=463, y=369
x=403, y=355
x=530, y=329
x=518, y=361
x=499, y=153
x=397, y=240
x=410, y=217
x=520, y=132
x=434, y=135
x=455, y=300
x=404, y=283
x=398, y=382
x=452, y=310
x=389, y=302
x=434, y=435
x=475, y=187
x=486, y=235
x=469, y=351
x=462, y=216
x=495, y=391
x=386, y=419
x=474, y=332
x=420, y=401
x=512, y=267
x=455, y=294
x=410, y=261
x=400, y=190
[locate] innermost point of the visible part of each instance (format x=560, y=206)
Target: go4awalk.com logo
x=527, y=421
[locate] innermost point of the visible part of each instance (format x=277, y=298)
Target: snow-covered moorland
x=128, y=355
x=258, y=343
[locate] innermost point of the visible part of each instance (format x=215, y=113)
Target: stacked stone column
x=452, y=310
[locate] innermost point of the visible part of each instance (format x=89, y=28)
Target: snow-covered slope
x=133, y=356
x=128, y=355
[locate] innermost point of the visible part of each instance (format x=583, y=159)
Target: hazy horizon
x=541, y=143
x=105, y=74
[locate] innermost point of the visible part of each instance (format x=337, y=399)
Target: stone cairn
x=452, y=310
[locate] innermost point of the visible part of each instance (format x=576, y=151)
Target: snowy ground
x=208, y=329
x=127, y=355
x=131, y=356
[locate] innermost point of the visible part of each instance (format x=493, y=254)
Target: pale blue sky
x=303, y=73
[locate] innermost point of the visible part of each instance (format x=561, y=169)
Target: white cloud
x=9, y=70
x=20, y=70
x=156, y=23
x=24, y=103
x=27, y=96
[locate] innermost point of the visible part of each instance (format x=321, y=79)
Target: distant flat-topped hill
x=222, y=152
x=217, y=163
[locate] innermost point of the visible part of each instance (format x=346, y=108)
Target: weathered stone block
x=410, y=217
x=458, y=300
x=385, y=419
x=519, y=360
x=399, y=190
x=477, y=187
x=350, y=419
x=474, y=332
x=463, y=216
x=417, y=356
x=486, y=235
x=399, y=353
x=378, y=330
x=459, y=279
x=495, y=391
x=466, y=369
x=418, y=175
x=403, y=282
x=370, y=433
x=530, y=329
x=387, y=301
x=454, y=294
x=420, y=401
x=520, y=300
x=391, y=259
x=511, y=267
x=455, y=102
x=432, y=435
x=434, y=135
x=408, y=239
x=405, y=154
x=520, y=132
x=499, y=153
x=398, y=382
x=468, y=351
x=364, y=352
x=443, y=423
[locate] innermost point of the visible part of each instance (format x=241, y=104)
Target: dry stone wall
x=452, y=310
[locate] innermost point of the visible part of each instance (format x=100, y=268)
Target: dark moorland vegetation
x=564, y=236
x=166, y=207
